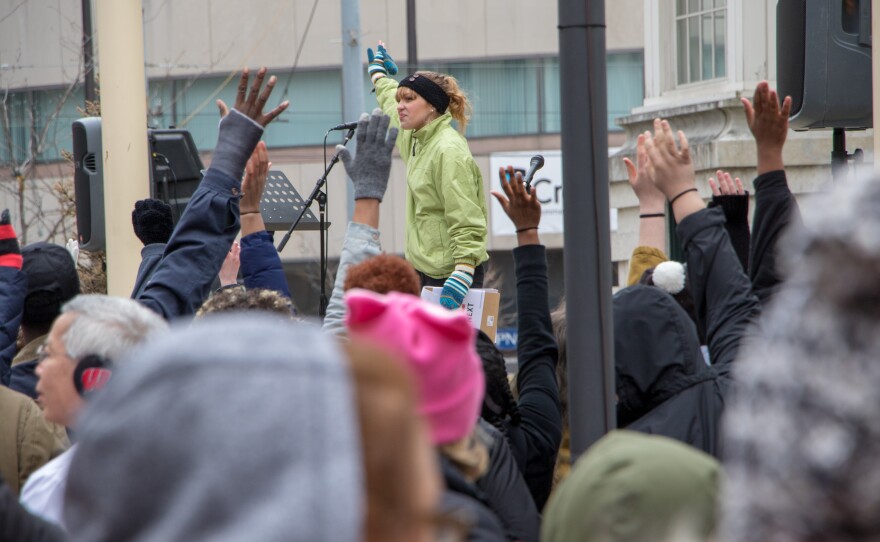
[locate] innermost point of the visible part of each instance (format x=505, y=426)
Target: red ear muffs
x=92, y=373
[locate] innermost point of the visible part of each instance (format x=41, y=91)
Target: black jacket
x=535, y=440
x=506, y=492
x=464, y=503
x=775, y=210
x=663, y=383
x=19, y=525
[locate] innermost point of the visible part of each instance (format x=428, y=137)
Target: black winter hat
x=52, y=281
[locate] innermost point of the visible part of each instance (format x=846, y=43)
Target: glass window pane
x=681, y=7
x=720, y=3
x=693, y=5
x=706, y=48
x=694, y=48
x=720, y=45
x=681, y=51
x=708, y=4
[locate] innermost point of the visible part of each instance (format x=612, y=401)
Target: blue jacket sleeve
x=537, y=352
x=261, y=265
x=13, y=288
x=151, y=256
x=197, y=248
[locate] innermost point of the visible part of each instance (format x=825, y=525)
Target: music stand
x=282, y=204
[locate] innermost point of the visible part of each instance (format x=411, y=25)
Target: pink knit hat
x=438, y=346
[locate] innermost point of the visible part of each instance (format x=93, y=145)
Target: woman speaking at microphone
x=446, y=217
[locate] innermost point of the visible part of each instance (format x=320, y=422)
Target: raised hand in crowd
x=672, y=169
x=370, y=168
x=239, y=133
x=652, y=202
x=769, y=124
x=726, y=185
x=380, y=64
x=229, y=271
x=256, y=172
x=152, y=222
x=521, y=206
x=730, y=194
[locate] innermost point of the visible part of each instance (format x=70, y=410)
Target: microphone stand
x=318, y=194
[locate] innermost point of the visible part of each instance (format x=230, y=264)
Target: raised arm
x=369, y=171
x=652, y=216
x=775, y=205
x=722, y=292
x=730, y=194
x=260, y=262
x=205, y=232
x=537, y=353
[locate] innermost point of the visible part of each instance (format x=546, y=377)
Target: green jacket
x=446, y=215
x=633, y=487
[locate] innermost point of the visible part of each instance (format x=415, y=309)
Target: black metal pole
x=319, y=184
x=412, y=55
x=88, y=53
x=589, y=339
x=839, y=156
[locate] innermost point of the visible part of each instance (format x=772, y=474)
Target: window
x=701, y=39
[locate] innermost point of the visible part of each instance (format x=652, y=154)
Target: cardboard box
x=480, y=305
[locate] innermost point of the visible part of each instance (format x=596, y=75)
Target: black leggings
x=479, y=274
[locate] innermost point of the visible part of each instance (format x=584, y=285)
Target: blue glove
x=457, y=286
x=380, y=64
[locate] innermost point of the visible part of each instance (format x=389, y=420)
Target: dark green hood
x=632, y=487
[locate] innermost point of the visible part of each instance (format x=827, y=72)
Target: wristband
x=526, y=229
x=652, y=215
x=680, y=194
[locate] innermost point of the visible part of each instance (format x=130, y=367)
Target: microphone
x=346, y=126
x=535, y=164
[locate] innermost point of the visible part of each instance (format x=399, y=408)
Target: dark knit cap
x=427, y=89
x=52, y=281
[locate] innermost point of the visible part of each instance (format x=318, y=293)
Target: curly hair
x=382, y=274
x=240, y=299
x=498, y=403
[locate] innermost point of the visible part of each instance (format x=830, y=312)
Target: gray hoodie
x=241, y=427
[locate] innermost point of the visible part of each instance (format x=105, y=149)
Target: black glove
x=152, y=221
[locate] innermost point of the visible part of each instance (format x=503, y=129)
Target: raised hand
x=255, y=173
x=726, y=185
x=238, y=136
x=380, y=64
x=152, y=221
x=672, y=169
x=651, y=199
x=370, y=168
x=251, y=104
x=522, y=207
x=769, y=125
x=229, y=270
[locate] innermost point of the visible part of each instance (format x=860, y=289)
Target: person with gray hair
x=93, y=333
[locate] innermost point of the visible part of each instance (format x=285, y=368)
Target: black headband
x=427, y=89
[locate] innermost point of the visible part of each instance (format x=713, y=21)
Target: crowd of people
x=190, y=412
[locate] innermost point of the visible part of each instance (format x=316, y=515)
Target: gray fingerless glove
x=238, y=138
x=370, y=168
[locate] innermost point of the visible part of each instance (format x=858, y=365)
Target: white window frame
x=698, y=15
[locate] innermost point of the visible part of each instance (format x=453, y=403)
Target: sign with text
x=548, y=186
x=547, y=183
